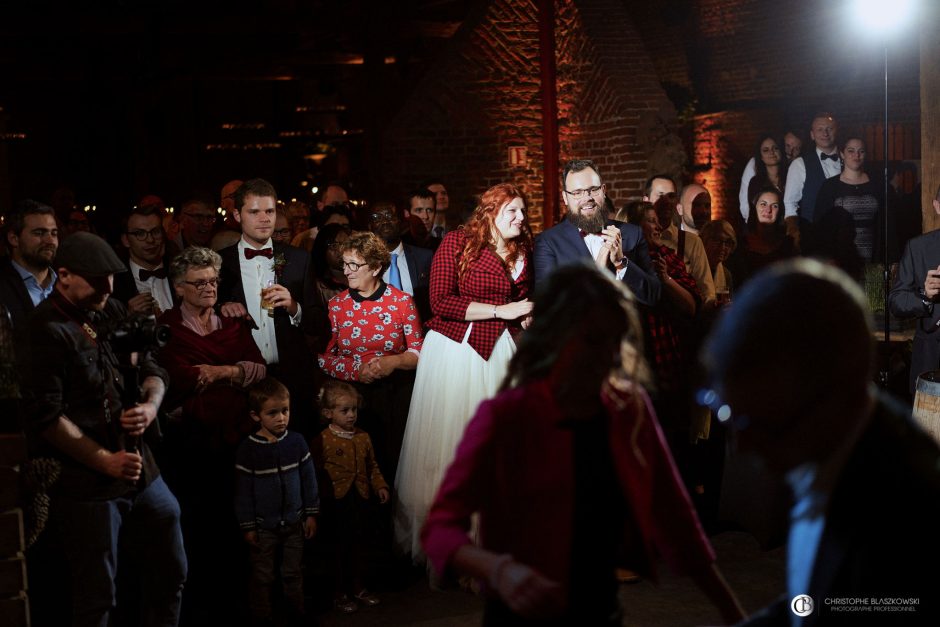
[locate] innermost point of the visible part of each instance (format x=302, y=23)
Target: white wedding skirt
x=452, y=379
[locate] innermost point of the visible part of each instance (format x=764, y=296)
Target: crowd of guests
x=314, y=354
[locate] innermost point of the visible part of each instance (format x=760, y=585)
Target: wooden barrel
x=927, y=403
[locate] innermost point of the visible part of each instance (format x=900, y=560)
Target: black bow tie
x=823, y=156
x=251, y=253
x=159, y=273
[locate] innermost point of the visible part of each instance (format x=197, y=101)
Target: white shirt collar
x=243, y=244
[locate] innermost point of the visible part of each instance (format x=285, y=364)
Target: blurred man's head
x=790, y=363
x=334, y=194
x=197, y=222
x=695, y=207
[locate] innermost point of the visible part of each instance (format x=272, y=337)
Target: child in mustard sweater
x=346, y=455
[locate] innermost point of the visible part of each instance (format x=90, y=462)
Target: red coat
x=515, y=467
x=219, y=412
x=486, y=281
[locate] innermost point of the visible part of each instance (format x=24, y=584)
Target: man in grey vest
x=806, y=176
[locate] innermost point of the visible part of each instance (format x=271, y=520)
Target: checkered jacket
x=665, y=347
x=486, y=281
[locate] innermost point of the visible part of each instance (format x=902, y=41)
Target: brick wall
x=482, y=98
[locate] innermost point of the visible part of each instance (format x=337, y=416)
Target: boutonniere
x=278, y=264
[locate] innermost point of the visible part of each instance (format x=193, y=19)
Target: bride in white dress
x=480, y=280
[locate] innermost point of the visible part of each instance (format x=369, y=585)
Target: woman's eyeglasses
x=353, y=266
x=203, y=285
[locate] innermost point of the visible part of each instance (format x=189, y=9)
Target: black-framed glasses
x=201, y=217
x=581, y=193
x=281, y=233
x=202, y=285
x=141, y=234
x=381, y=215
x=353, y=266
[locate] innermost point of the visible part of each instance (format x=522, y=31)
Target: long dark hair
x=563, y=303
x=760, y=168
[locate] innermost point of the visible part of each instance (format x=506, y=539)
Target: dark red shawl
x=219, y=412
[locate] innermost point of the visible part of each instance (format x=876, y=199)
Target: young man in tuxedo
x=146, y=288
x=282, y=272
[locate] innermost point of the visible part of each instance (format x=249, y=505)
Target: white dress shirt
x=406, y=285
x=158, y=288
x=257, y=273
x=749, y=173
x=796, y=177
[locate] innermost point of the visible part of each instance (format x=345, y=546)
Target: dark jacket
x=72, y=373
x=562, y=244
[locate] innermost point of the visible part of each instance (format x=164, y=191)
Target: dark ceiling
x=169, y=96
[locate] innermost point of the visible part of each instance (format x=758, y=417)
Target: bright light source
x=882, y=16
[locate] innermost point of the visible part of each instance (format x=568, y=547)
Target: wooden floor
x=757, y=578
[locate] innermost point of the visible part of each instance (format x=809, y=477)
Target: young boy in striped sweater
x=276, y=499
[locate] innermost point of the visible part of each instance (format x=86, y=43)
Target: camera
x=136, y=334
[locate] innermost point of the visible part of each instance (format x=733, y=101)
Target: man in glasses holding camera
x=109, y=486
x=588, y=233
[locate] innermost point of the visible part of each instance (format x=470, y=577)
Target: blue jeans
x=147, y=523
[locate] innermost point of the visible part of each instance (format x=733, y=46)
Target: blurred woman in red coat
x=569, y=472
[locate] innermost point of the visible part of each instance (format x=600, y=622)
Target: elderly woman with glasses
x=375, y=343
x=211, y=360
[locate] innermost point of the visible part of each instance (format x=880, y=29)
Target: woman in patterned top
x=375, y=343
x=480, y=280
x=848, y=217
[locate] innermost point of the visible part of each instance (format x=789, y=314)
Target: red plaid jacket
x=664, y=338
x=486, y=281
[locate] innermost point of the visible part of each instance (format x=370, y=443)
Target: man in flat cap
x=109, y=487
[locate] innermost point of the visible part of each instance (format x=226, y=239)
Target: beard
x=39, y=258
x=593, y=224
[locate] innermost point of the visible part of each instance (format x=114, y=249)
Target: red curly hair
x=479, y=228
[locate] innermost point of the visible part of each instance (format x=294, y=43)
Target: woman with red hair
x=480, y=280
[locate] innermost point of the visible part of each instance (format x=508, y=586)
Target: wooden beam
x=929, y=112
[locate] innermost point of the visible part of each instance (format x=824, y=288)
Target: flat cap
x=88, y=255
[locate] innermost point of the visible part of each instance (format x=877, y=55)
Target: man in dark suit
x=410, y=269
x=914, y=294
x=146, y=288
x=422, y=209
x=865, y=480
x=272, y=283
x=587, y=233
x=26, y=276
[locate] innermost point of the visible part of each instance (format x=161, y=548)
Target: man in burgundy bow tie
x=614, y=246
x=257, y=264
x=145, y=289
x=806, y=176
